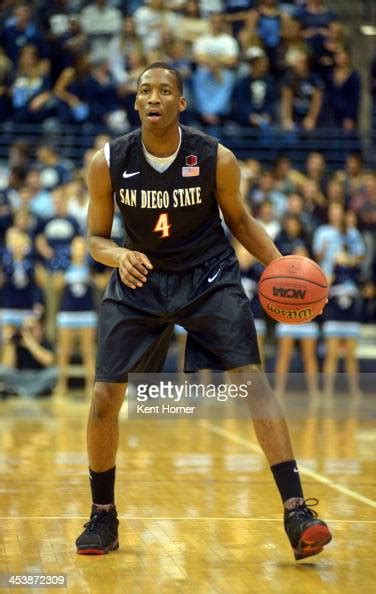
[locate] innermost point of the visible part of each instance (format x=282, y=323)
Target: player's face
x=158, y=99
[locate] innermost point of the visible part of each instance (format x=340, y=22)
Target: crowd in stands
x=260, y=63
x=46, y=271
x=257, y=63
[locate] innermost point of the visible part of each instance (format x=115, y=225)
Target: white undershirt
x=160, y=164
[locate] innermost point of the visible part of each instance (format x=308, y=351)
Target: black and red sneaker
x=101, y=533
x=307, y=533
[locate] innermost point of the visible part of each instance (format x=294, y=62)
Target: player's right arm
x=133, y=266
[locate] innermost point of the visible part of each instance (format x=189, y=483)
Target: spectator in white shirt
x=218, y=46
x=100, y=22
x=151, y=21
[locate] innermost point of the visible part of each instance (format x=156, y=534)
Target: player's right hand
x=133, y=268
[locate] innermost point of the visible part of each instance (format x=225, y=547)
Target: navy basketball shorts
x=136, y=325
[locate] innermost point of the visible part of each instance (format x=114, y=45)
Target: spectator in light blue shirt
x=41, y=204
x=212, y=93
x=330, y=240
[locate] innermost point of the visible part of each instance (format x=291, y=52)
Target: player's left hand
x=320, y=312
x=133, y=268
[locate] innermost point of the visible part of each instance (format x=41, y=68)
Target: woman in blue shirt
x=339, y=248
x=329, y=240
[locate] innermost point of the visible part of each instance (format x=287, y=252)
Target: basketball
x=293, y=289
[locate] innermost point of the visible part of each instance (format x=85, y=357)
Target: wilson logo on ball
x=289, y=293
x=301, y=314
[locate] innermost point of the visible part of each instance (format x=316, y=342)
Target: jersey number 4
x=163, y=226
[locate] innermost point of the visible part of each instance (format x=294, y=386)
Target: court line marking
x=320, y=478
x=161, y=519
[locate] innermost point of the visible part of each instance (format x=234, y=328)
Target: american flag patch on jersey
x=190, y=171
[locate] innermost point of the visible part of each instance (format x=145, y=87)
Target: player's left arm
x=235, y=212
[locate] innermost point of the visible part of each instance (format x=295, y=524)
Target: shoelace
x=93, y=524
x=303, y=510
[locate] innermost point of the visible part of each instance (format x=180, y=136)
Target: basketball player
x=177, y=266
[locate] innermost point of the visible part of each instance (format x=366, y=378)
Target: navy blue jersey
x=346, y=275
x=173, y=216
x=78, y=291
x=255, y=96
x=19, y=290
x=343, y=294
x=59, y=231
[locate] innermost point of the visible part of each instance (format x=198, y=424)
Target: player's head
x=159, y=98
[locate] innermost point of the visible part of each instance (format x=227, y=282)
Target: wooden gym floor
x=199, y=511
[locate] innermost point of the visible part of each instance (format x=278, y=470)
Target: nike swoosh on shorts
x=211, y=278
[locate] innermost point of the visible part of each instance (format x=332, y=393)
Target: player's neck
x=162, y=143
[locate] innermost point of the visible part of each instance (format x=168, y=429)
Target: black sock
x=286, y=476
x=103, y=486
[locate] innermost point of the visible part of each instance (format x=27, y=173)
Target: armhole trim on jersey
x=215, y=169
x=106, y=150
